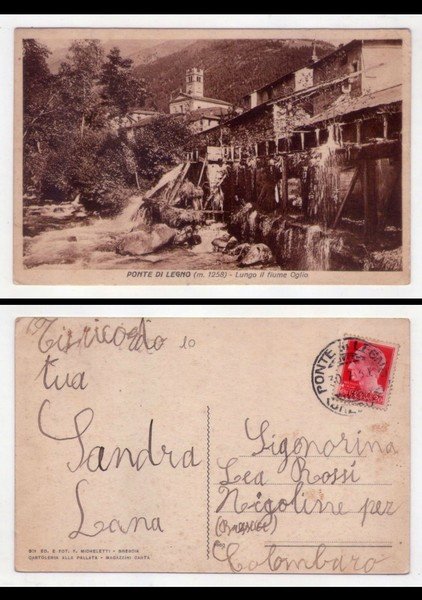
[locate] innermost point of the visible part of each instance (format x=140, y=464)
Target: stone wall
x=301, y=246
x=253, y=128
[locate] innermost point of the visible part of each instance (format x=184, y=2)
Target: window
x=343, y=59
x=198, y=78
x=355, y=66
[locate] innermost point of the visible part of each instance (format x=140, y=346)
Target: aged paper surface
x=212, y=445
x=195, y=156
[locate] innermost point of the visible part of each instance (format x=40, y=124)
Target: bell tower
x=195, y=82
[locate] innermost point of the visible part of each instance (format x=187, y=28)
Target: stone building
x=274, y=112
x=193, y=98
x=320, y=148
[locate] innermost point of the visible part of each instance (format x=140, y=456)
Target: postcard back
x=212, y=445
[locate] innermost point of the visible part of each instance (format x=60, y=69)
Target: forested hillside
x=232, y=68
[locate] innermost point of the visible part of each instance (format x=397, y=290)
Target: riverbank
x=72, y=241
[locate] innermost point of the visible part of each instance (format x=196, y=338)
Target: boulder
x=257, y=254
x=161, y=212
x=147, y=240
x=240, y=250
x=220, y=243
x=232, y=243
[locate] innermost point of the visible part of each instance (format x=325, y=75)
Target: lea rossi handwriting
x=51, y=334
x=98, y=458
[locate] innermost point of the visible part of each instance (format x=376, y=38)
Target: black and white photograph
x=212, y=157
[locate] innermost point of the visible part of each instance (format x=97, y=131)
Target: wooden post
x=358, y=131
x=352, y=184
x=202, y=172
x=137, y=179
x=384, y=126
x=305, y=190
x=370, y=199
x=285, y=188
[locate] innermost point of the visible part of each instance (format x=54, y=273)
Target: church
x=193, y=98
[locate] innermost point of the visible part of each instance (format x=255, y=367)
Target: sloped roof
x=309, y=64
x=345, y=104
x=200, y=113
x=215, y=100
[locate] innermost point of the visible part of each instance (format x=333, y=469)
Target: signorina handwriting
x=304, y=447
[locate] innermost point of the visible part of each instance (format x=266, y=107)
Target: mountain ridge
x=232, y=68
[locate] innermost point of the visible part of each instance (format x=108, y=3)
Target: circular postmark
x=326, y=377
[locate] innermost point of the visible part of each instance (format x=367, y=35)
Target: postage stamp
x=365, y=375
x=352, y=373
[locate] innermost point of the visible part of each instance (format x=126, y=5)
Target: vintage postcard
x=212, y=445
x=204, y=156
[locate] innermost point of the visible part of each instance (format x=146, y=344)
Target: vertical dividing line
x=208, y=481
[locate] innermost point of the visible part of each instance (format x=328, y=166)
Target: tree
x=41, y=105
x=160, y=144
x=79, y=76
x=121, y=90
x=39, y=96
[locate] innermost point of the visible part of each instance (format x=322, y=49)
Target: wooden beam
x=370, y=199
x=178, y=184
x=352, y=184
x=285, y=186
x=202, y=172
x=385, y=149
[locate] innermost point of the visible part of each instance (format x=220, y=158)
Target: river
x=66, y=235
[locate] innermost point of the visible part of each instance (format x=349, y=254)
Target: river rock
x=148, y=240
x=161, y=212
x=240, y=250
x=232, y=243
x=257, y=254
x=220, y=243
x=195, y=240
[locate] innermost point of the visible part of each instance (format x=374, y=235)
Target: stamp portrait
x=365, y=375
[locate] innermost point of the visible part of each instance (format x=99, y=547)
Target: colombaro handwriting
x=319, y=560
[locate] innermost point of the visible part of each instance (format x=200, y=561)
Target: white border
x=10, y=290
x=10, y=578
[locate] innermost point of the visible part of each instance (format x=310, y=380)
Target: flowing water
x=72, y=240
x=317, y=249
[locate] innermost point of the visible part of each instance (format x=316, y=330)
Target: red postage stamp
x=365, y=376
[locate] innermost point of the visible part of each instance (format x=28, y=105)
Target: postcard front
x=159, y=156
x=212, y=445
